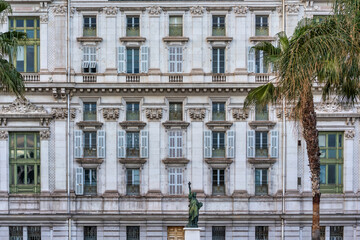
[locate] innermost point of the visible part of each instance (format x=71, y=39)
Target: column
x=60, y=156
x=4, y=162
x=348, y=165
x=44, y=160
x=44, y=19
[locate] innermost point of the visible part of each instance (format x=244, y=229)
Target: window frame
x=91, y=110
x=89, y=61
x=135, y=32
x=259, y=146
x=91, y=229
x=176, y=25
x=218, y=60
x=218, y=144
x=132, y=111
x=176, y=111
x=18, y=232
x=91, y=181
x=133, y=229
x=176, y=144
x=261, y=113
x=222, y=230
x=176, y=59
x=262, y=185
x=135, y=146
x=133, y=188
x=177, y=187
x=263, y=231
x=132, y=64
x=218, y=27
x=220, y=187
x=218, y=111
x=90, y=17
x=262, y=25
x=90, y=147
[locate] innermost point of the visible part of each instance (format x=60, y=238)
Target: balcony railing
x=89, y=115
x=175, y=78
x=261, y=153
x=132, y=78
x=218, y=31
x=132, y=31
x=90, y=188
x=132, y=115
x=218, y=190
x=261, y=189
x=132, y=190
x=219, y=77
x=175, y=30
x=90, y=151
x=133, y=152
x=263, y=77
x=262, y=31
x=90, y=78
x=218, y=152
x=89, y=32
x=31, y=77
x=218, y=116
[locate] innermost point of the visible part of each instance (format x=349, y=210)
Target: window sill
x=219, y=125
x=89, y=125
x=132, y=41
x=218, y=161
x=219, y=41
x=132, y=125
x=89, y=39
x=261, y=39
x=176, y=39
x=266, y=162
x=137, y=161
x=170, y=161
x=262, y=125
x=176, y=124
x=89, y=160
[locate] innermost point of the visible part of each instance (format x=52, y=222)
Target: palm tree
x=327, y=53
x=10, y=78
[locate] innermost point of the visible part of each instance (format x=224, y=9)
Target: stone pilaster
x=348, y=161
x=4, y=161
x=44, y=158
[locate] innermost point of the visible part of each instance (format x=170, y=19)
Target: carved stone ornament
x=240, y=10
x=4, y=16
x=279, y=10
x=330, y=107
x=44, y=18
x=197, y=114
x=62, y=113
x=111, y=113
x=197, y=11
x=240, y=114
x=349, y=134
x=110, y=10
x=44, y=135
x=22, y=106
x=154, y=113
x=154, y=10
x=59, y=9
x=293, y=8
x=4, y=135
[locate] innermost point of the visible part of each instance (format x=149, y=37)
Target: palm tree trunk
x=312, y=146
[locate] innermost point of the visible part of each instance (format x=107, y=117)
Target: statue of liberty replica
x=194, y=207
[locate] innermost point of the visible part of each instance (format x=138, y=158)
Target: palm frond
x=261, y=95
x=10, y=41
x=4, y=6
x=10, y=78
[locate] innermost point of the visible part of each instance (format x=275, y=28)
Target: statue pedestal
x=192, y=233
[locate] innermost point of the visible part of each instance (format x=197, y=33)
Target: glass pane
x=322, y=153
x=20, y=140
x=89, y=111
x=30, y=59
x=218, y=233
x=322, y=141
x=30, y=174
x=30, y=23
x=19, y=23
x=20, y=174
x=332, y=140
x=340, y=174
x=34, y=233
x=30, y=33
x=331, y=174
x=261, y=113
x=340, y=153
x=11, y=174
x=90, y=233
x=30, y=154
x=20, y=154
x=261, y=233
x=30, y=141
x=322, y=174
x=331, y=153
x=132, y=233
x=38, y=174
x=16, y=233
x=175, y=112
x=340, y=140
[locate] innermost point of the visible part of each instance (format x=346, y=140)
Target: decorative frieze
x=240, y=10
x=154, y=113
x=45, y=135
x=331, y=107
x=197, y=11
x=44, y=18
x=22, y=106
x=110, y=10
x=350, y=134
x=4, y=135
x=154, y=10
x=59, y=9
x=197, y=114
x=293, y=8
x=111, y=113
x=240, y=114
x=62, y=113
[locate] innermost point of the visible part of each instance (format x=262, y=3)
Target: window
x=261, y=181
x=261, y=233
x=261, y=144
x=28, y=54
x=256, y=62
x=132, y=112
x=132, y=233
x=89, y=144
x=90, y=233
x=132, y=57
x=175, y=144
x=175, y=26
x=132, y=182
x=90, y=181
x=175, y=181
x=89, y=111
x=218, y=60
x=175, y=112
x=218, y=26
x=218, y=112
x=16, y=233
x=89, y=64
x=261, y=113
x=322, y=232
x=218, y=233
x=262, y=26
x=218, y=182
x=24, y=162
x=132, y=144
x=336, y=233
x=89, y=26
x=214, y=144
x=257, y=144
x=218, y=144
x=331, y=162
x=175, y=59
x=34, y=233
x=132, y=26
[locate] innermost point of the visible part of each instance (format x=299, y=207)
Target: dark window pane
x=20, y=23
x=132, y=112
x=20, y=140
x=132, y=233
x=20, y=174
x=261, y=233
x=322, y=174
x=90, y=233
x=30, y=174
x=175, y=112
x=34, y=233
x=332, y=140
x=336, y=232
x=218, y=233
x=30, y=141
x=30, y=59
x=30, y=23
x=331, y=174
x=89, y=111
x=15, y=233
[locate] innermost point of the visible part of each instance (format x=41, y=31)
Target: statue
x=194, y=207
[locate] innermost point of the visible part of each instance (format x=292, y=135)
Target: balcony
x=132, y=189
x=89, y=78
x=263, y=77
x=218, y=31
x=133, y=78
x=261, y=190
x=218, y=190
x=89, y=31
x=219, y=77
x=175, y=78
x=31, y=77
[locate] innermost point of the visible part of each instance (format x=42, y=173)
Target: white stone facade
x=60, y=206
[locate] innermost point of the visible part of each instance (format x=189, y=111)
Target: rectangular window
x=132, y=145
x=261, y=181
x=331, y=162
x=90, y=182
x=90, y=233
x=261, y=233
x=132, y=26
x=218, y=182
x=16, y=233
x=175, y=144
x=132, y=181
x=336, y=232
x=89, y=26
x=27, y=58
x=218, y=60
x=175, y=112
x=218, y=111
x=218, y=232
x=218, y=144
x=90, y=147
x=218, y=26
x=175, y=181
x=89, y=64
x=24, y=163
x=262, y=25
x=132, y=233
x=260, y=65
x=175, y=59
x=322, y=232
x=261, y=113
x=132, y=60
x=261, y=144
x=89, y=111
x=175, y=26
x=34, y=233
x=132, y=112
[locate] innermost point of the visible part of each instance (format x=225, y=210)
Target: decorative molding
x=62, y=113
x=110, y=10
x=331, y=107
x=219, y=125
x=240, y=10
x=154, y=10
x=197, y=11
x=111, y=113
x=4, y=135
x=59, y=9
x=4, y=16
x=279, y=10
x=154, y=113
x=176, y=125
x=44, y=135
x=197, y=114
x=349, y=134
x=132, y=125
x=292, y=8
x=22, y=106
x=44, y=18
x=240, y=114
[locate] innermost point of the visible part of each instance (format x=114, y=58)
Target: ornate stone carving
x=279, y=10
x=22, y=106
x=59, y=9
x=44, y=135
x=197, y=11
x=240, y=114
x=349, y=134
x=110, y=10
x=4, y=135
x=44, y=18
x=4, y=16
x=154, y=10
x=293, y=8
x=240, y=10
x=111, y=113
x=62, y=113
x=329, y=107
x=197, y=114
x=154, y=113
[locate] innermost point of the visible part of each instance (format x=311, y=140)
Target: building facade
x=128, y=101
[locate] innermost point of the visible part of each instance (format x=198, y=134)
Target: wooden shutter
x=230, y=144
x=179, y=181
x=172, y=176
x=274, y=144
x=121, y=144
x=86, y=57
x=144, y=59
x=101, y=144
x=92, y=57
x=79, y=189
x=251, y=144
x=207, y=144
x=144, y=144
x=172, y=149
x=179, y=144
x=251, y=60
x=78, y=144
x=121, y=59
